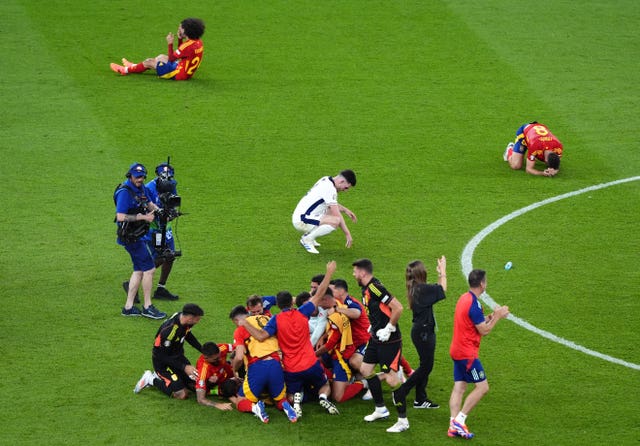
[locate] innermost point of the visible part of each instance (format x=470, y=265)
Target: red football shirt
x=465, y=343
x=291, y=327
x=359, y=327
x=205, y=370
x=538, y=138
x=190, y=55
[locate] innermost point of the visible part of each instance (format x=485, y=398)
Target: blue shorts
x=263, y=376
x=341, y=370
x=164, y=69
x=314, y=377
x=468, y=370
x=520, y=145
x=361, y=349
x=142, y=255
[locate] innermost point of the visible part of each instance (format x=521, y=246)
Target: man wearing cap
x=134, y=213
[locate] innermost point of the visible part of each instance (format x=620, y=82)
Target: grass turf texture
x=419, y=98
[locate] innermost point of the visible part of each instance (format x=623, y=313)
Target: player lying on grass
x=179, y=64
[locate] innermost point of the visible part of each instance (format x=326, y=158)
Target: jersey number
x=540, y=130
x=192, y=65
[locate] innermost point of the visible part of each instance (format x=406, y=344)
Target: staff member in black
x=173, y=373
x=422, y=296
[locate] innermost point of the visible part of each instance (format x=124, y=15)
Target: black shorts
x=173, y=381
x=385, y=354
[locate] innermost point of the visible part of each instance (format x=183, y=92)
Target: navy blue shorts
x=142, y=255
x=164, y=69
x=313, y=377
x=468, y=370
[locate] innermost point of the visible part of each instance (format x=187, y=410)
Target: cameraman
x=163, y=185
x=134, y=213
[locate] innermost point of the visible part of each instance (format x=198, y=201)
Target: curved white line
x=467, y=266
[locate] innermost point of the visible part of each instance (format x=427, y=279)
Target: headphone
x=136, y=168
x=165, y=169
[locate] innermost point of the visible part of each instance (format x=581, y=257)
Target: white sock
x=319, y=231
x=461, y=418
x=323, y=396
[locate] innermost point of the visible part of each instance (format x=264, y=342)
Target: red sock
x=351, y=391
x=279, y=403
x=137, y=68
x=405, y=366
x=245, y=406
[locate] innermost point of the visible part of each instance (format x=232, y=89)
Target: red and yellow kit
x=537, y=139
x=189, y=56
x=222, y=371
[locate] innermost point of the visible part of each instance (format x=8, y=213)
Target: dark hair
x=364, y=264
x=350, y=176
x=553, y=160
x=302, y=298
x=317, y=278
x=237, y=311
x=415, y=274
x=476, y=277
x=284, y=299
x=210, y=348
x=229, y=388
x=340, y=283
x=193, y=28
x=193, y=310
x=253, y=300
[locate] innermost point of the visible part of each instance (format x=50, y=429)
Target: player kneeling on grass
x=173, y=373
x=538, y=144
x=179, y=64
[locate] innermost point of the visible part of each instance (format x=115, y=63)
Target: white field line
x=467, y=266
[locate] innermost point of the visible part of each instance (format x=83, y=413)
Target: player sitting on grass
x=179, y=64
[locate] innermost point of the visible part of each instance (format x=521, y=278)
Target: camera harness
x=131, y=231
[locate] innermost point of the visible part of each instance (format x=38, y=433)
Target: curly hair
x=193, y=28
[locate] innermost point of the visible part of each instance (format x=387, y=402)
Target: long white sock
x=319, y=231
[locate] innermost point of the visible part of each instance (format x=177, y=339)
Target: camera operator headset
x=134, y=214
x=164, y=194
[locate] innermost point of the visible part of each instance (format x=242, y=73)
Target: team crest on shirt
x=167, y=343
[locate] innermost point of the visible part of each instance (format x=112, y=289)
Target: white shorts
x=303, y=227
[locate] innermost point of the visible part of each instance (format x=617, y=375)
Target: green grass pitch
x=419, y=98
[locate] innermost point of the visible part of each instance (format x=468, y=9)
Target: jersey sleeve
x=351, y=303
x=475, y=312
x=123, y=201
x=239, y=336
x=268, y=302
x=202, y=368
x=271, y=327
x=307, y=309
x=329, y=193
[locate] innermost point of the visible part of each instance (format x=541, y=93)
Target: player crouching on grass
x=535, y=142
x=179, y=64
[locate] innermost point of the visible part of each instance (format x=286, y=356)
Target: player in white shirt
x=318, y=213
